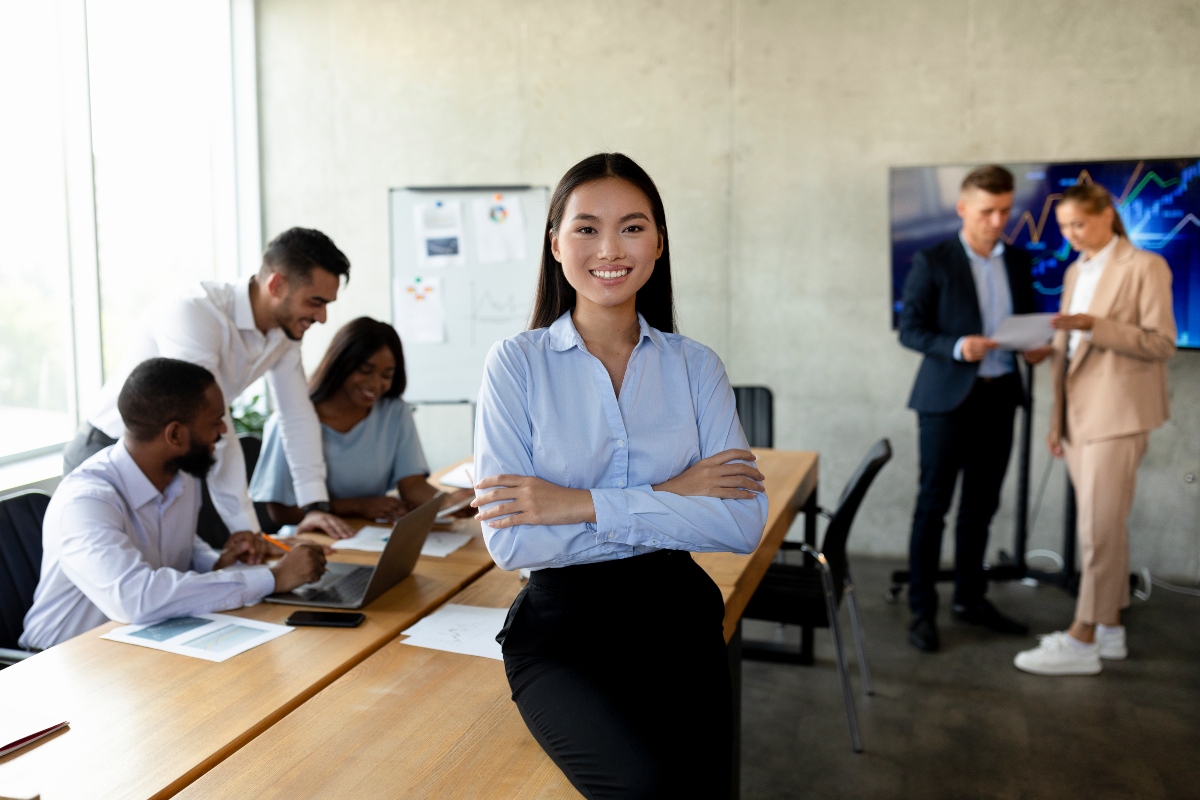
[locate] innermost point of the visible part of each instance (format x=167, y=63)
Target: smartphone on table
x=326, y=619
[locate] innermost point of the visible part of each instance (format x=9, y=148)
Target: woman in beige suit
x=1116, y=330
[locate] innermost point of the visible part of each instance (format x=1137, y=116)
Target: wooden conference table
x=411, y=722
x=145, y=723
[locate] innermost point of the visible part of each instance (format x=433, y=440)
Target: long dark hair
x=352, y=346
x=555, y=296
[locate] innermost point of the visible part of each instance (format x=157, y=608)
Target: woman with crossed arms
x=1116, y=330
x=611, y=447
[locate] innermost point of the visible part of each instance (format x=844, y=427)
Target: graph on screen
x=1158, y=200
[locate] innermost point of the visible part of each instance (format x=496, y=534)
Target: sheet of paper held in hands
x=373, y=538
x=470, y=630
x=1024, y=331
x=212, y=637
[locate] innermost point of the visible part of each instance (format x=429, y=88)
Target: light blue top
x=547, y=409
x=995, y=306
x=365, y=461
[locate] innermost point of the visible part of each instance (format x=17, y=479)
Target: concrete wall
x=769, y=126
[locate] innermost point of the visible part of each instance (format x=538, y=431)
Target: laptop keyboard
x=349, y=589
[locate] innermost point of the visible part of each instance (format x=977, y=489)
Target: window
x=133, y=170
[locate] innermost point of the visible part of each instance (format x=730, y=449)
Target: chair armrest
x=10, y=657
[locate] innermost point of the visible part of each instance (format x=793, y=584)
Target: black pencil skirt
x=620, y=671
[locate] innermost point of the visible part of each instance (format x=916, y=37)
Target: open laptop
x=354, y=586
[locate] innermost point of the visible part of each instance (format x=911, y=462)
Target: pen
x=277, y=543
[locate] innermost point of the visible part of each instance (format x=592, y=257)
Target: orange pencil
x=277, y=543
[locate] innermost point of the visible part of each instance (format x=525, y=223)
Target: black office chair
x=251, y=449
x=810, y=594
x=21, y=518
x=756, y=410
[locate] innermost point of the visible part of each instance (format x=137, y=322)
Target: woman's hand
x=717, y=476
x=1073, y=322
x=1038, y=354
x=328, y=524
x=374, y=508
x=532, y=501
x=1054, y=444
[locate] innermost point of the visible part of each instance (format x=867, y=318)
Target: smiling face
x=607, y=242
x=201, y=437
x=300, y=305
x=371, y=380
x=1087, y=233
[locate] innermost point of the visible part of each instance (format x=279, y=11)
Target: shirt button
x=612, y=536
x=620, y=442
x=620, y=483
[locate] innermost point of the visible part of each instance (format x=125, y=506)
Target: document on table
x=470, y=630
x=212, y=637
x=461, y=477
x=1024, y=331
x=373, y=538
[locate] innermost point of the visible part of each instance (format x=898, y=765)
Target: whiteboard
x=481, y=302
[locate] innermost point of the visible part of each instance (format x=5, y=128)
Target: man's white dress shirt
x=212, y=324
x=114, y=547
x=1090, y=270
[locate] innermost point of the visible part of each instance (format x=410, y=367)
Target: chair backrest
x=251, y=448
x=21, y=518
x=834, y=544
x=756, y=410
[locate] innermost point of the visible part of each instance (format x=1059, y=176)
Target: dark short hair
x=655, y=300
x=993, y=179
x=298, y=251
x=353, y=344
x=160, y=391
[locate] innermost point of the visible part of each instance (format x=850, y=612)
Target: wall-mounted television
x=1158, y=199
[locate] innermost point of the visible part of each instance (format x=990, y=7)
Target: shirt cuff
x=311, y=492
x=612, y=515
x=260, y=582
x=958, y=356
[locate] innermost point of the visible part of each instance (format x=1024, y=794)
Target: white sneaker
x=1057, y=656
x=1112, y=642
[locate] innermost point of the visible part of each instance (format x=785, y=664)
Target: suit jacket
x=941, y=305
x=1117, y=382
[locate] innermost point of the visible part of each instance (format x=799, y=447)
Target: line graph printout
x=1158, y=200
x=470, y=630
x=212, y=637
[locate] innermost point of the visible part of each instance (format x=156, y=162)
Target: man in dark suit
x=965, y=395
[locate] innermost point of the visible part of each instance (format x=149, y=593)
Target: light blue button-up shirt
x=995, y=306
x=547, y=409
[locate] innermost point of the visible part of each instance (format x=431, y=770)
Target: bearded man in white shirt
x=119, y=538
x=240, y=332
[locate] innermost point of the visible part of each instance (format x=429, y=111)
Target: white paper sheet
x=420, y=310
x=1024, y=331
x=439, y=233
x=212, y=637
x=470, y=630
x=499, y=229
x=461, y=477
x=373, y=538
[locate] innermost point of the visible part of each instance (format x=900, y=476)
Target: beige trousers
x=1105, y=476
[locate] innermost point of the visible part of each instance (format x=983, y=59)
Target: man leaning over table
x=119, y=539
x=240, y=332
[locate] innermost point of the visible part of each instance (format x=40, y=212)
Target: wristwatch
x=320, y=505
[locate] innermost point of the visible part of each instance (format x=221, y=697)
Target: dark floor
x=965, y=723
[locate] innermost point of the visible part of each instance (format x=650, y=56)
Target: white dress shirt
x=1090, y=270
x=995, y=306
x=212, y=324
x=115, y=548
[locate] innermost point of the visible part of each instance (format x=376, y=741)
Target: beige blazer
x=1117, y=382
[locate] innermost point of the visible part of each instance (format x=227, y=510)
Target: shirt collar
x=138, y=488
x=997, y=251
x=243, y=312
x=1100, y=259
x=563, y=335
